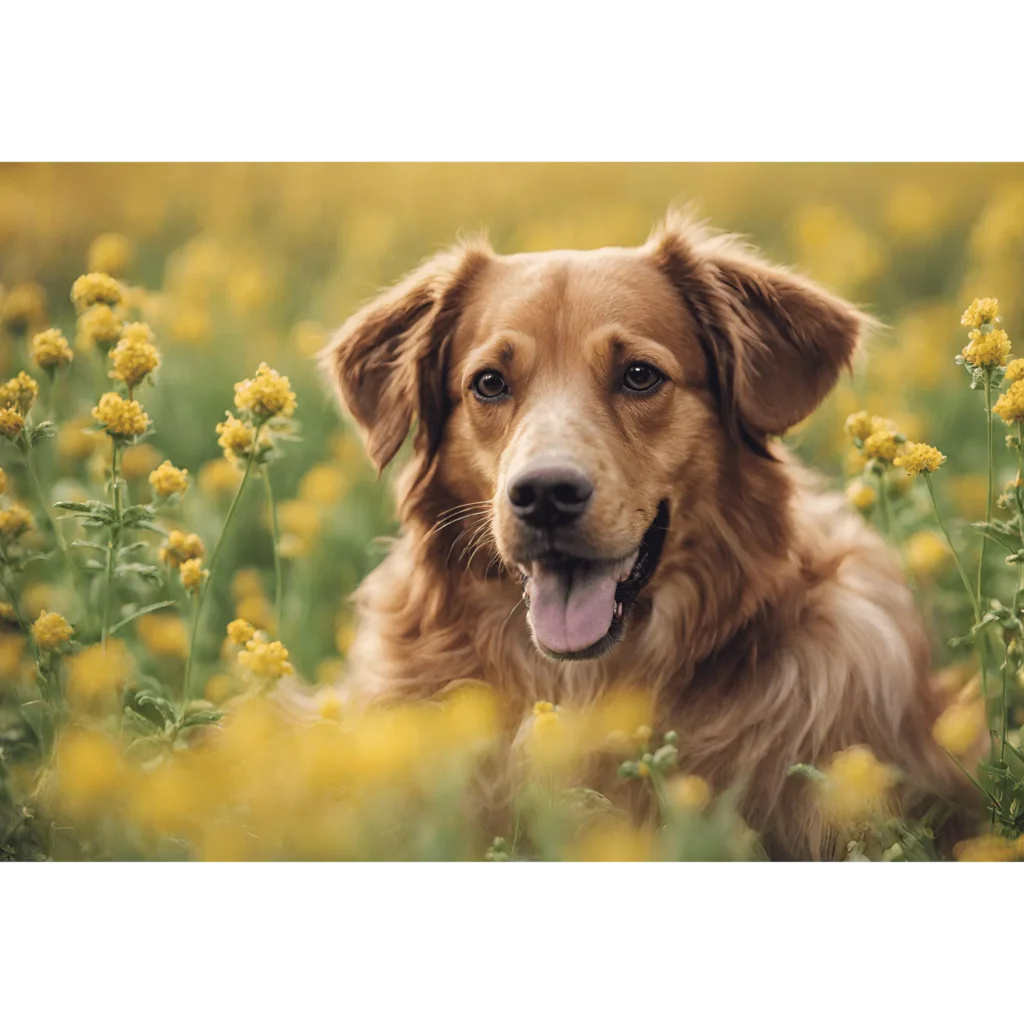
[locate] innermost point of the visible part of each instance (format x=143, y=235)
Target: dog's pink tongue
x=570, y=612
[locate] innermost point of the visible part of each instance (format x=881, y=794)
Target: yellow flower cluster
x=193, y=575
x=23, y=307
x=15, y=521
x=51, y=631
x=1010, y=405
x=109, y=254
x=856, y=788
x=919, y=458
x=989, y=848
x=236, y=438
x=122, y=418
x=267, y=661
x=240, y=632
x=98, y=325
x=97, y=673
x=266, y=395
x=980, y=312
x=135, y=356
x=165, y=636
x=959, y=728
x=50, y=350
x=1015, y=370
x=167, y=479
x=19, y=393
x=861, y=496
x=927, y=553
x=11, y=423
x=987, y=348
x=181, y=547
x=689, y=792
x=93, y=289
x=882, y=444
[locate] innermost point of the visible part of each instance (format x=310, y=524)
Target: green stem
x=981, y=560
x=114, y=541
x=278, y=573
x=24, y=449
x=945, y=533
x=186, y=689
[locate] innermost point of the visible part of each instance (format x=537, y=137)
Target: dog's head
x=581, y=404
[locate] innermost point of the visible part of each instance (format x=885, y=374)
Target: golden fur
x=777, y=628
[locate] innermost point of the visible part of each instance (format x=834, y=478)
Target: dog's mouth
x=577, y=607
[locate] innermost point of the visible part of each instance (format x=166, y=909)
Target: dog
x=597, y=495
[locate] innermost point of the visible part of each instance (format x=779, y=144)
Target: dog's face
x=577, y=402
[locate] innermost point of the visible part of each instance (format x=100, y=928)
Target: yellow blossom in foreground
x=11, y=423
x=93, y=289
x=138, y=460
x=15, y=521
x=135, y=356
x=88, y=771
x=19, y=392
x=165, y=636
x=218, y=476
x=122, y=417
x=979, y=312
x=927, y=553
x=987, y=348
x=613, y=841
x=919, y=458
x=240, y=632
x=861, y=496
x=689, y=792
x=267, y=661
x=882, y=444
x=1015, y=370
x=1010, y=406
x=193, y=575
x=987, y=848
x=265, y=395
x=167, y=479
x=856, y=788
x=180, y=547
x=95, y=673
x=235, y=437
x=50, y=349
x=51, y=631
x=109, y=254
x=959, y=728
x=98, y=325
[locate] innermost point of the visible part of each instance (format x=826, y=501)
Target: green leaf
x=143, y=569
x=202, y=717
x=140, y=612
x=135, y=514
x=139, y=723
x=807, y=771
x=45, y=429
x=89, y=544
x=164, y=708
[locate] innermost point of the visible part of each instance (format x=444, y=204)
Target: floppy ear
x=389, y=359
x=775, y=342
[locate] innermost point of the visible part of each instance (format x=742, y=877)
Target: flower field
x=184, y=513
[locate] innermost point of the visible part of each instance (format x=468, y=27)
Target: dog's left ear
x=776, y=342
x=389, y=360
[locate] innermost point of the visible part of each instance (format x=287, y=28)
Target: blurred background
x=234, y=264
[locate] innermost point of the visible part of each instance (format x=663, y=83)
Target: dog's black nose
x=550, y=496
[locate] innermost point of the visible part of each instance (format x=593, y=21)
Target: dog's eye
x=641, y=377
x=489, y=384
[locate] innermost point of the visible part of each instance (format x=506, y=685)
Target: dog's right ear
x=389, y=360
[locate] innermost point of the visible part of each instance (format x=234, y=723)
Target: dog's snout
x=550, y=496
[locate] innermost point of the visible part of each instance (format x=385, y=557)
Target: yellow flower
x=135, y=356
x=109, y=254
x=93, y=289
x=980, y=312
x=323, y=484
x=218, y=476
x=543, y=707
x=122, y=417
x=88, y=771
x=927, y=553
x=919, y=458
x=1015, y=370
x=856, y=788
x=236, y=438
x=689, y=792
x=167, y=479
x=266, y=661
x=240, y=632
x=267, y=394
x=50, y=349
x=11, y=423
x=15, y=521
x=12, y=646
x=138, y=460
x=95, y=673
x=882, y=444
x=861, y=496
x=51, y=631
x=859, y=425
x=960, y=726
x=986, y=848
x=246, y=583
x=1010, y=406
x=300, y=526
x=613, y=841
x=193, y=574
x=24, y=307
x=257, y=610
x=99, y=325
x=181, y=547
x=19, y=392
x=165, y=636
x=987, y=349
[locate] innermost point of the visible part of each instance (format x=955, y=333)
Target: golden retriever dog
x=595, y=497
